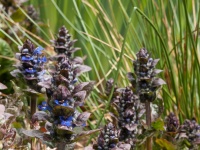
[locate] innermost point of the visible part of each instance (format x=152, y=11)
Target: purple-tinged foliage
x=172, y=123
x=11, y=5
x=108, y=139
x=10, y=107
x=63, y=44
x=65, y=94
x=190, y=130
x=31, y=64
x=130, y=111
x=144, y=79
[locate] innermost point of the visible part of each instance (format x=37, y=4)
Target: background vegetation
x=168, y=29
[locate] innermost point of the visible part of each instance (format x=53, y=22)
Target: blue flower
x=30, y=70
x=40, y=60
x=44, y=107
x=38, y=50
x=74, y=81
x=26, y=58
x=112, y=145
x=65, y=103
x=66, y=121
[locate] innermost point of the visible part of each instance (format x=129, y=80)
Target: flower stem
x=33, y=110
x=33, y=104
x=148, y=122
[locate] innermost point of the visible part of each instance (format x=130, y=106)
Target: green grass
x=168, y=29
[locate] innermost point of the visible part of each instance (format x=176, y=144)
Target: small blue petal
x=30, y=70
x=25, y=51
x=112, y=145
x=43, y=59
x=84, y=124
x=38, y=50
x=44, y=103
x=26, y=58
x=66, y=121
x=65, y=103
x=44, y=107
x=74, y=81
x=56, y=102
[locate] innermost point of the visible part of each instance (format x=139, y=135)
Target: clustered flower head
x=188, y=132
x=145, y=81
x=108, y=139
x=31, y=64
x=65, y=95
x=130, y=111
x=63, y=44
x=31, y=12
x=192, y=131
x=172, y=123
x=34, y=15
x=11, y=5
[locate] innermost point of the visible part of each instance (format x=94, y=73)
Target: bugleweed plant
x=110, y=39
x=59, y=113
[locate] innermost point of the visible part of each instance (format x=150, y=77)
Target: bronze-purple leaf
x=86, y=86
x=89, y=86
x=84, y=134
x=80, y=97
x=45, y=84
x=2, y=86
x=62, y=92
x=74, y=50
x=88, y=148
x=47, y=137
x=130, y=76
x=156, y=71
x=154, y=62
x=77, y=60
x=81, y=69
x=122, y=146
x=72, y=42
x=34, y=133
x=131, y=127
x=82, y=118
x=31, y=91
x=63, y=111
x=80, y=86
x=158, y=82
x=15, y=73
x=2, y=109
x=64, y=130
x=40, y=116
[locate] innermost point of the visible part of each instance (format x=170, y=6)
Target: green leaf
x=18, y=16
x=158, y=124
x=17, y=125
x=165, y=144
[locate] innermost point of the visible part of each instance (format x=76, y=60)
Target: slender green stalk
x=116, y=75
x=165, y=52
x=34, y=23
x=9, y=37
x=93, y=48
x=33, y=110
x=148, y=122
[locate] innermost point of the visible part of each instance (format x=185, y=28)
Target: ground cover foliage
x=129, y=81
